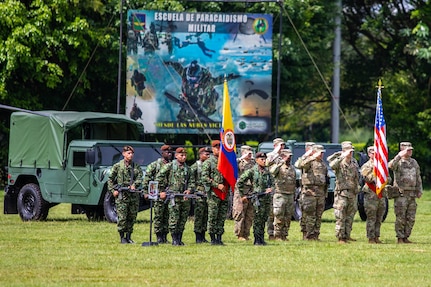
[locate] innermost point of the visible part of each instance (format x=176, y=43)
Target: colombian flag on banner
x=227, y=164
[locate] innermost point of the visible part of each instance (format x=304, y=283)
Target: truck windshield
x=109, y=155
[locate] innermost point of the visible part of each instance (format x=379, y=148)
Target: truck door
x=78, y=179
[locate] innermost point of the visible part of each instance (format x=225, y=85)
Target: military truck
x=298, y=149
x=65, y=157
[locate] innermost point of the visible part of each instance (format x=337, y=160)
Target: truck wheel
x=31, y=205
x=94, y=213
x=109, y=208
x=297, y=213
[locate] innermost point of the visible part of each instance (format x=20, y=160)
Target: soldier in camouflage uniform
x=217, y=207
x=243, y=213
x=314, y=191
x=346, y=170
x=273, y=157
x=201, y=205
x=262, y=181
x=175, y=178
x=375, y=207
x=161, y=212
x=407, y=177
x=308, y=151
x=283, y=200
x=127, y=174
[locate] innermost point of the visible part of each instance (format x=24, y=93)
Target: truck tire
x=297, y=213
x=361, y=207
x=109, y=208
x=31, y=205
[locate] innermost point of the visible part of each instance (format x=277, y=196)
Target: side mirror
x=90, y=156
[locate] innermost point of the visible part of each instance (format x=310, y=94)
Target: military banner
x=177, y=62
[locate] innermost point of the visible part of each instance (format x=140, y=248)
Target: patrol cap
x=246, y=147
x=286, y=152
x=318, y=148
x=278, y=141
x=166, y=148
x=260, y=155
x=180, y=150
x=370, y=149
x=309, y=144
x=215, y=143
x=406, y=145
x=346, y=145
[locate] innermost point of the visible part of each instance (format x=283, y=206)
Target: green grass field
x=68, y=250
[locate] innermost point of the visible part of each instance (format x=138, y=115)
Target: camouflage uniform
x=127, y=203
x=345, y=197
x=375, y=207
x=298, y=163
x=161, y=211
x=283, y=200
x=407, y=178
x=243, y=213
x=313, y=193
x=272, y=158
x=261, y=179
x=217, y=208
x=201, y=205
x=176, y=178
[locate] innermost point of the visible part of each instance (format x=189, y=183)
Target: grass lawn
x=68, y=250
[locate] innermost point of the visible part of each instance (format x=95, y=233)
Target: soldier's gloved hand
x=268, y=190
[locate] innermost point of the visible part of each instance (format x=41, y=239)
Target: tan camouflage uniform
x=346, y=190
x=283, y=200
x=298, y=163
x=313, y=193
x=243, y=212
x=407, y=178
x=375, y=207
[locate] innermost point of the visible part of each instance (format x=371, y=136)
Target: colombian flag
x=227, y=164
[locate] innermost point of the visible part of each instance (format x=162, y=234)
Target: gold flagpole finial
x=380, y=84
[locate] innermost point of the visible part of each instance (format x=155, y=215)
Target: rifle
x=122, y=189
x=170, y=196
x=257, y=195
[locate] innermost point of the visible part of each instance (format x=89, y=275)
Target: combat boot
x=129, y=238
x=165, y=237
x=175, y=239
x=203, y=238
x=180, y=238
x=198, y=237
x=406, y=240
x=400, y=241
x=213, y=239
x=378, y=241
x=219, y=242
x=372, y=241
x=159, y=237
x=123, y=240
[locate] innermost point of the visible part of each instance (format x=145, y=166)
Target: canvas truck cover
x=38, y=139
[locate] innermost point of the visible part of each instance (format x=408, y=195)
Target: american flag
x=380, y=146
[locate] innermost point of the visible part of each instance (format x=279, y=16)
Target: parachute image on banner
x=177, y=63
